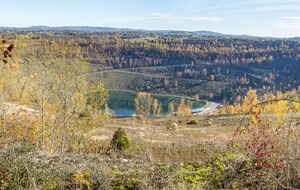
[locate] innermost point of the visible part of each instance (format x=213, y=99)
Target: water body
x=121, y=103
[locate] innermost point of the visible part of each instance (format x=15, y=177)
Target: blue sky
x=280, y=18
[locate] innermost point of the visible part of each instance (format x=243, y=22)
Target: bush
x=129, y=178
x=193, y=122
x=120, y=140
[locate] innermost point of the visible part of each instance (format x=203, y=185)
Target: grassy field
x=154, y=135
x=154, y=83
x=228, y=82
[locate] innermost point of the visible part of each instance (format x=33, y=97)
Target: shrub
x=129, y=178
x=193, y=122
x=120, y=140
x=84, y=114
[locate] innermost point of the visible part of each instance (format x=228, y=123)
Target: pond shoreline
x=121, y=102
x=165, y=95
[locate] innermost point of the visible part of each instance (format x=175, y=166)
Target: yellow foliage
x=80, y=178
x=238, y=108
x=222, y=111
x=143, y=103
x=171, y=107
x=249, y=101
x=253, y=119
x=184, y=108
x=230, y=110
x=296, y=104
x=280, y=108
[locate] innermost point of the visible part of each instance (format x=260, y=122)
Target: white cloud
x=238, y=6
x=167, y=17
x=291, y=18
x=292, y=22
x=290, y=26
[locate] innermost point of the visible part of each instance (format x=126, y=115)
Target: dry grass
x=193, y=156
x=153, y=140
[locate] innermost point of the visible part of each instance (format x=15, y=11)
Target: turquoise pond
x=121, y=103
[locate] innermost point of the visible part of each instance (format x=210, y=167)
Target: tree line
x=146, y=105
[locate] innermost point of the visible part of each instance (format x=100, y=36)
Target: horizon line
x=141, y=29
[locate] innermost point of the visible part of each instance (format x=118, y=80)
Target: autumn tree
x=143, y=103
x=166, y=83
x=196, y=97
x=96, y=106
x=171, y=107
x=59, y=86
x=176, y=84
x=249, y=100
x=184, y=108
x=157, y=107
x=230, y=110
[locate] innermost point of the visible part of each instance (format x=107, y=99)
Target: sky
x=277, y=18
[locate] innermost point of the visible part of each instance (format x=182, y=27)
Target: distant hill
x=208, y=33
x=70, y=28
x=296, y=39
x=42, y=28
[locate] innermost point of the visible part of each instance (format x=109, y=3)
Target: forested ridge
x=228, y=65
x=212, y=67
